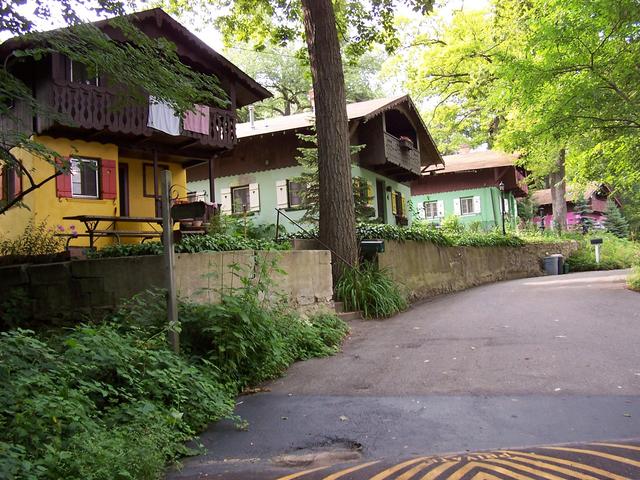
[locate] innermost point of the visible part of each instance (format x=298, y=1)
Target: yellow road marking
x=458, y=474
x=570, y=463
x=389, y=471
x=300, y=474
x=410, y=473
x=595, y=453
x=435, y=473
x=342, y=473
x=539, y=473
x=617, y=445
x=556, y=468
x=484, y=476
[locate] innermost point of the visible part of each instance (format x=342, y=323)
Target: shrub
x=37, y=239
x=191, y=244
x=370, y=290
x=614, y=253
x=633, y=280
x=452, y=224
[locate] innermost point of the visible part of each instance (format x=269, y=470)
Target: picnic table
x=92, y=222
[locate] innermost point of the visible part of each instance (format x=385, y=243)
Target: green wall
x=267, y=182
x=489, y=216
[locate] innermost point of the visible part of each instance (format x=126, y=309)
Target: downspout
x=493, y=208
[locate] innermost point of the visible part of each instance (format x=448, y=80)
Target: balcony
x=400, y=155
x=108, y=116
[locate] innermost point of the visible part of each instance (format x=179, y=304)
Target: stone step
x=347, y=316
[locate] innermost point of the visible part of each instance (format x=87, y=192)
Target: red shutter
x=17, y=182
x=108, y=178
x=63, y=184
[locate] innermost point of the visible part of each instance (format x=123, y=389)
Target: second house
x=258, y=176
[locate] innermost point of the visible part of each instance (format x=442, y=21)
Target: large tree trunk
x=337, y=210
x=558, y=192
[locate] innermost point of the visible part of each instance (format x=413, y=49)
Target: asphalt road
x=514, y=364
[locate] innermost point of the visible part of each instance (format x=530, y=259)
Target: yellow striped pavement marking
x=539, y=473
x=617, y=445
x=300, y=474
x=435, y=473
x=390, y=471
x=557, y=468
x=410, y=473
x=484, y=476
x=344, y=472
x=569, y=463
x=458, y=474
x=595, y=453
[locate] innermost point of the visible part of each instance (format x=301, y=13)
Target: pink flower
x=72, y=227
x=60, y=228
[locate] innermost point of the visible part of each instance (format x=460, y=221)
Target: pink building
x=596, y=196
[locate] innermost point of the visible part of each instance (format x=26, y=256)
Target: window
x=294, y=194
x=240, y=199
x=79, y=73
x=148, y=181
x=466, y=206
x=431, y=209
x=84, y=178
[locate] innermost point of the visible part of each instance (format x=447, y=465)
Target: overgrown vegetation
x=614, y=253
x=633, y=280
x=111, y=401
x=370, y=290
x=36, y=239
x=192, y=244
x=423, y=232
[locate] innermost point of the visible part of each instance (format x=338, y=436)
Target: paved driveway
x=518, y=363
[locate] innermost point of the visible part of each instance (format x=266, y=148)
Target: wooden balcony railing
x=407, y=158
x=97, y=108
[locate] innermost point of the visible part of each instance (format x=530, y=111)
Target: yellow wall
x=44, y=205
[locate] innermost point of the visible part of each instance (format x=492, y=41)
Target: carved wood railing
x=407, y=158
x=97, y=108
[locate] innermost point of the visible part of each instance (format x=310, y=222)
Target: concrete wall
x=425, y=269
x=83, y=286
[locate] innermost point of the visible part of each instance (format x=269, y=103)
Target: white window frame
x=433, y=204
x=233, y=204
x=76, y=173
x=463, y=201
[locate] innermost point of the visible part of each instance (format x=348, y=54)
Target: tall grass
x=633, y=280
x=370, y=290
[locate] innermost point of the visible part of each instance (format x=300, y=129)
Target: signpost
x=596, y=242
x=169, y=262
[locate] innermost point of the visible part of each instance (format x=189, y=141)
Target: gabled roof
x=156, y=23
x=543, y=197
x=475, y=161
x=359, y=110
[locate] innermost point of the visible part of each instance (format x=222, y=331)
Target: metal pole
x=504, y=230
x=169, y=262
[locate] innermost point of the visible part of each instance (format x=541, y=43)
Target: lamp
x=501, y=187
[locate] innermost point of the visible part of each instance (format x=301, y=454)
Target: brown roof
x=358, y=110
x=543, y=197
x=156, y=22
x=364, y=110
x=475, y=161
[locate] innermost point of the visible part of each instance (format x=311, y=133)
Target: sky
x=212, y=37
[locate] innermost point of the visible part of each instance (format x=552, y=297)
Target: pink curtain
x=198, y=120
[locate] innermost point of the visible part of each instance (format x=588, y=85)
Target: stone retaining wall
x=426, y=269
x=66, y=288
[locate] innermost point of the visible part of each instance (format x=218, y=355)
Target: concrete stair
x=346, y=316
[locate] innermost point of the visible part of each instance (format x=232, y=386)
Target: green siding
x=267, y=182
x=489, y=216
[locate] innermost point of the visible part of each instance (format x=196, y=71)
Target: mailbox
x=368, y=247
x=596, y=241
